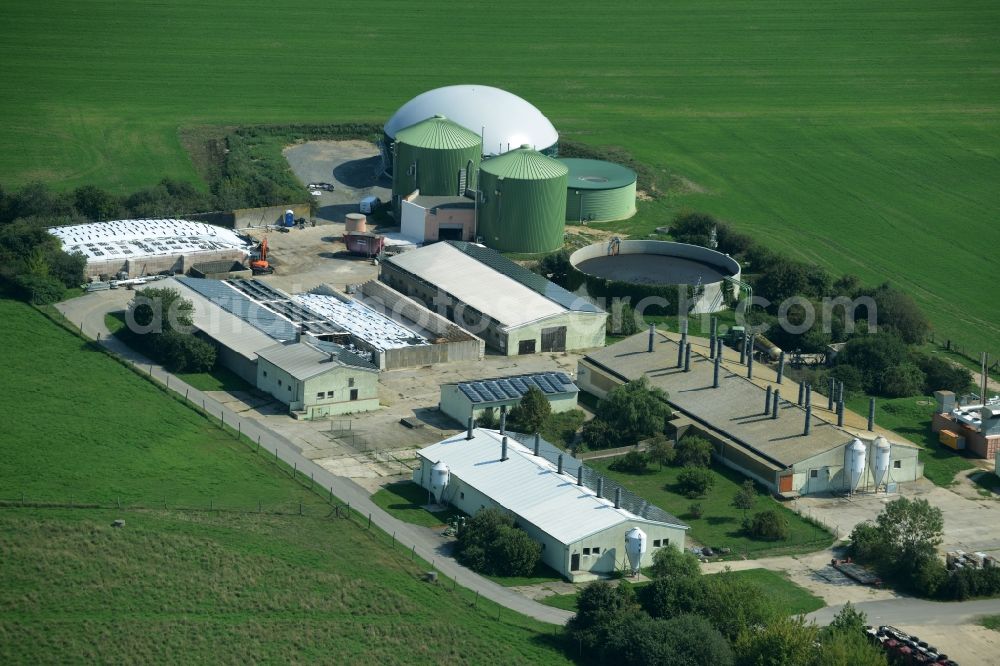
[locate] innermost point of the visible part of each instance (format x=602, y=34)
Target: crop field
x=209, y=578
x=861, y=136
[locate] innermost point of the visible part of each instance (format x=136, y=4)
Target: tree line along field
x=221, y=583
x=860, y=136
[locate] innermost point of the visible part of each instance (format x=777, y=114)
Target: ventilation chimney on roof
x=538, y=443
x=809, y=415
x=579, y=475
x=503, y=419
x=687, y=357
x=600, y=486
x=652, y=333
x=781, y=366
x=468, y=435
x=774, y=405
x=871, y=414
x=618, y=498
x=767, y=401
x=559, y=464
x=715, y=372
x=503, y=450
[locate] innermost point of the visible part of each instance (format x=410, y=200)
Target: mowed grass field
x=183, y=586
x=861, y=136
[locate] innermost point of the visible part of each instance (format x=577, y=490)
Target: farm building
x=435, y=156
x=462, y=400
x=514, y=310
x=598, y=191
x=383, y=326
x=522, y=205
x=148, y=247
x=317, y=379
x=425, y=219
x=579, y=518
x=775, y=448
x=502, y=120
x=972, y=426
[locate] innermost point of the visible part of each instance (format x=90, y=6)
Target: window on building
x=350, y=381
x=813, y=473
x=586, y=551
x=897, y=464
x=596, y=551
x=279, y=382
x=289, y=387
x=656, y=543
x=265, y=373
x=321, y=395
x=354, y=394
x=329, y=394
x=461, y=495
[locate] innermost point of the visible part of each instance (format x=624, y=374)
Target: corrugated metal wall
x=600, y=205
x=526, y=216
x=436, y=172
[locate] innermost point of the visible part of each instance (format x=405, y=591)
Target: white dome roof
x=505, y=120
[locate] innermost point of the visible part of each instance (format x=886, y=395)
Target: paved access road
x=88, y=311
x=910, y=611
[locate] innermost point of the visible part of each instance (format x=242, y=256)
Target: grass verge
x=406, y=500
x=990, y=622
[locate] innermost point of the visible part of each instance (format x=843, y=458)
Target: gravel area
x=353, y=167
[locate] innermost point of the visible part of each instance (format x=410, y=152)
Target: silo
x=635, y=546
x=882, y=458
x=437, y=157
x=854, y=464
x=440, y=476
x=598, y=191
x=523, y=202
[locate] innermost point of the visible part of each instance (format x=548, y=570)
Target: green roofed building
x=523, y=202
x=437, y=157
x=598, y=191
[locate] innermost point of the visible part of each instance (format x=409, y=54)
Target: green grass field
x=719, y=526
x=406, y=500
x=990, y=622
x=188, y=583
x=862, y=137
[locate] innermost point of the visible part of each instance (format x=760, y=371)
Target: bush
x=491, y=544
x=39, y=289
x=695, y=510
x=903, y=380
x=633, y=462
x=769, y=524
x=182, y=352
x=488, y=419
x=674, y=563
x=942, y=375
x=661, y=450
x=634, y=411
x=693, y=451
x=695, y=481
x=530, y=413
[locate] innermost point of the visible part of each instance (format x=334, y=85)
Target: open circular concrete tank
x=653, y=264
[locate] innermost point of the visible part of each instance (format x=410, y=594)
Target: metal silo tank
x=437, y=157
x=598, y=191
x=523, y=205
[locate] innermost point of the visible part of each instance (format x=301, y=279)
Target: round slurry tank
x=598, y=191
x=523, y=202
x=658, y=268
x=437, y=157
x=502, y=119
x=854, y=463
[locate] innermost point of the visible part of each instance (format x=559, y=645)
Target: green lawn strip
x=542, y=574
x=789, y=597
x=990, y=622
x=218, y=378
x=911, y=418
x=213, y=585
x=406, y=500
x=560, y=428
x=720, y=524
x=563, y=601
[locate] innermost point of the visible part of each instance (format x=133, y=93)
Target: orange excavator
x=260, y=265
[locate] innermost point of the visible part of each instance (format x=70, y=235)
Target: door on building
x=574, y=562
x=526, y=347
x=450, y=232
x=554, y=339
x=819, y=480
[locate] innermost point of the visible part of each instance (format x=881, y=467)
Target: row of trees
x=164, y=325
x=630, y=413
x=492, y=544
x=901, y=544
x=683, y=617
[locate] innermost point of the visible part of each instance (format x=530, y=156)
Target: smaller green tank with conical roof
x=436, y=156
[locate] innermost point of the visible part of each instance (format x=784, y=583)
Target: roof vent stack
x=712, y=336
x=715, y=373
x=809, y=414
x=687, y=357
x=618, y=498
x=652, y=333
x=559, y=464
x=468, y=434
x=767, y=400
x=781, y=366
x=774, y=405
x=600, y=487
x=871, y=414
x=503, y=419
x=503, y=450
x=538, y=443
x=579, y=475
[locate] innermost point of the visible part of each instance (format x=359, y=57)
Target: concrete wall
x=302, y=396
x=556, y=554
x=455, y=404
x=268, y=215
x=173, y=263
x=422, y=225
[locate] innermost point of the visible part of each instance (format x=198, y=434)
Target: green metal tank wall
x=529, y=213
x=598, y=191
x=430, y=155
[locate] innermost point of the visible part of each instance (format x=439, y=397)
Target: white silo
x=854, y=465
x=635, y=546
x=440, y=476
x=882, y=458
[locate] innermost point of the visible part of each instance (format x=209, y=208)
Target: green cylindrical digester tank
x=523, y=204
x=598, y=191
x=437, y=157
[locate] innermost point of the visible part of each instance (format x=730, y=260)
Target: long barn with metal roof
x=579, y=517
x=514, y=310
x=461, y=400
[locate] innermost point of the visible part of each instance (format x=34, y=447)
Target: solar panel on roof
x=507, y=388
x=469, y=393
x=519, y=384
x=544, y=384
x=484, y=392
x=563, y=377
